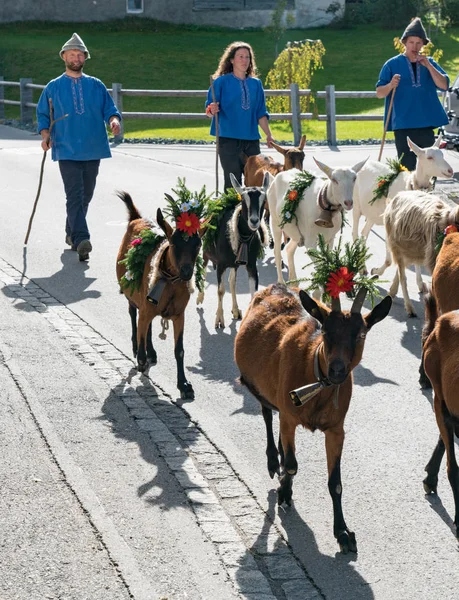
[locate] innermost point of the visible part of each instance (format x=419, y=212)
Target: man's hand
x=45, y=140
x=115, y=125
x=395, y=81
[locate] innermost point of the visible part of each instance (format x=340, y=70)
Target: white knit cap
x=75, y=43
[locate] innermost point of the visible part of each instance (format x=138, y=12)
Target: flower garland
x=339, y=272
x=188, y=209
x=214, y=210
x=139, y=250
x=441, y=236
x=293, y=196
x=385, y=181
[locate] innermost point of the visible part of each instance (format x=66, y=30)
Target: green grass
x=146, y=54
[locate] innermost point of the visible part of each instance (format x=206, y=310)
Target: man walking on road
x=79, y=140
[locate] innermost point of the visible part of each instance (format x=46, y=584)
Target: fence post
x=296, y=112
x=26, y=96
x=2, y=97
x=330, y=109
x=118, y=100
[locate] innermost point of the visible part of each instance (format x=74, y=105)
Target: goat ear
x=379, y=312
x=266, y=181
x=323, y=167
x=311, y=306
x=279, y=148
x=416, y=149
x=438, y=140
x=356, y=168
x=164, y=224
x=235, y=183
x=302, y=142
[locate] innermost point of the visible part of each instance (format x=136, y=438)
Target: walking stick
x=387, y=123
x=45, y=152
x=216, y=135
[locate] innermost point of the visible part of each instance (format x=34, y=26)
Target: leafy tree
x=278, y=23
x=295, y=64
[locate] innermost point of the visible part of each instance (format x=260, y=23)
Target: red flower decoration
x=136, y=242
x=382, y=182
x=188, y=223
x=293, y=195
x=340, y=281
x=450, y=229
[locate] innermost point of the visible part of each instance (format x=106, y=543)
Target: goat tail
x=431, y=315
x=133, y=212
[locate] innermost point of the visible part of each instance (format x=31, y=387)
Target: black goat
x=238, y=242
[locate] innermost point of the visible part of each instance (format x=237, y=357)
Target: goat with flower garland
x=154, y=269
x=305, y=355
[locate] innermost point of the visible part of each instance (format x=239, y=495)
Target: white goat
x=430, y=163
x=413, y=220
x=334, y=194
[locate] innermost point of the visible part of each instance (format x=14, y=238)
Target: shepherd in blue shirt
x=413, y=79
x=79, y=140
x=240, y=104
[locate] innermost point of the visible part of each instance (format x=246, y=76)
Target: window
x=134, y=6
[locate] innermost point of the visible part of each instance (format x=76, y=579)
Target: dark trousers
x=79, y=177
x=231, y=152
x=422, y=137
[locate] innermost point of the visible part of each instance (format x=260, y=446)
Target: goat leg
x=271, y=450
x=334, y=439
x=133, y=315
x=432, y=468
x=235, y=311
x=219, y=318
x=151, y=352
x=185, y=387
x=290, y=465
x=142, y=336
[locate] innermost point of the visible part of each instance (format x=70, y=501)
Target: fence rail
x=330, y=95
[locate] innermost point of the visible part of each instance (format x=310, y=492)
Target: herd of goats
x=306, y=350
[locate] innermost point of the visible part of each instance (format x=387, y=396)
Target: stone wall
x=306, y=14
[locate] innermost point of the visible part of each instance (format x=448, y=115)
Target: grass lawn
x=146, y=54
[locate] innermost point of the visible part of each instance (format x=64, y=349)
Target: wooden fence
x=27, y=106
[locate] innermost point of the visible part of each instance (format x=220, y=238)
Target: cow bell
x=242, y=254
x=301, y=395
x=154, y=295
x=325, y=219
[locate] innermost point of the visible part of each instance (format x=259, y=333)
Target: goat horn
x=336, y=304
x=359, y=300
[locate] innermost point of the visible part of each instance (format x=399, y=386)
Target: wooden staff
x=45, y=152
x=216, y=135
x=387, y=123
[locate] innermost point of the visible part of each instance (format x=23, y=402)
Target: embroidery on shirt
x=414, y=82
x=78, y=100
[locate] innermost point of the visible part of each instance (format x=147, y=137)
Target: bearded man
x=81, y=107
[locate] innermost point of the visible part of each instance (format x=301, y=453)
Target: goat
x=293, y=349
x=335, y=195
x=442, y=368
x=430, y=164
x=238, y=235
x=256, y=165
x=445, y=279
x=413, y=220
x=175, y=265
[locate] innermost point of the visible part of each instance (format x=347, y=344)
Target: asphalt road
x=175, y=496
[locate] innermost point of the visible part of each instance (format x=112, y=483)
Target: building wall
x=307, y=13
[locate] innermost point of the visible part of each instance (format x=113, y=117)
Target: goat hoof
x=430, y=485
x=237, y=314
x=347, y=542
x=200, y=298
x=219, y=324
x=412, y=314
x=141, y=367
x=186, y=391
x=424, y=382
x=152, y=359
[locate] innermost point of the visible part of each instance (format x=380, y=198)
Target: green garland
x=136, y=257
x=293, y=196
x=199, y=273
x=214, y=210
x=328, y=260
x=384, y=182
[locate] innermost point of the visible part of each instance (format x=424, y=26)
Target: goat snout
x=448, y=173
x=337, y=372
x=254, y=223
x=186, y=272
x=348, y=204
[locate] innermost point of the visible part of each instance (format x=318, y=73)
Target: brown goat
x=442, y=367
x=293, y=349
x=256, y=166
x=445, y=279
x=176, y=269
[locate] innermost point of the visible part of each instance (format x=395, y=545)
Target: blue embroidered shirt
x=242, y=104
x=82, y=135
x=416, y=103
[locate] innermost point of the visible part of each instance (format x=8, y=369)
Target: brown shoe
x=83, y=249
